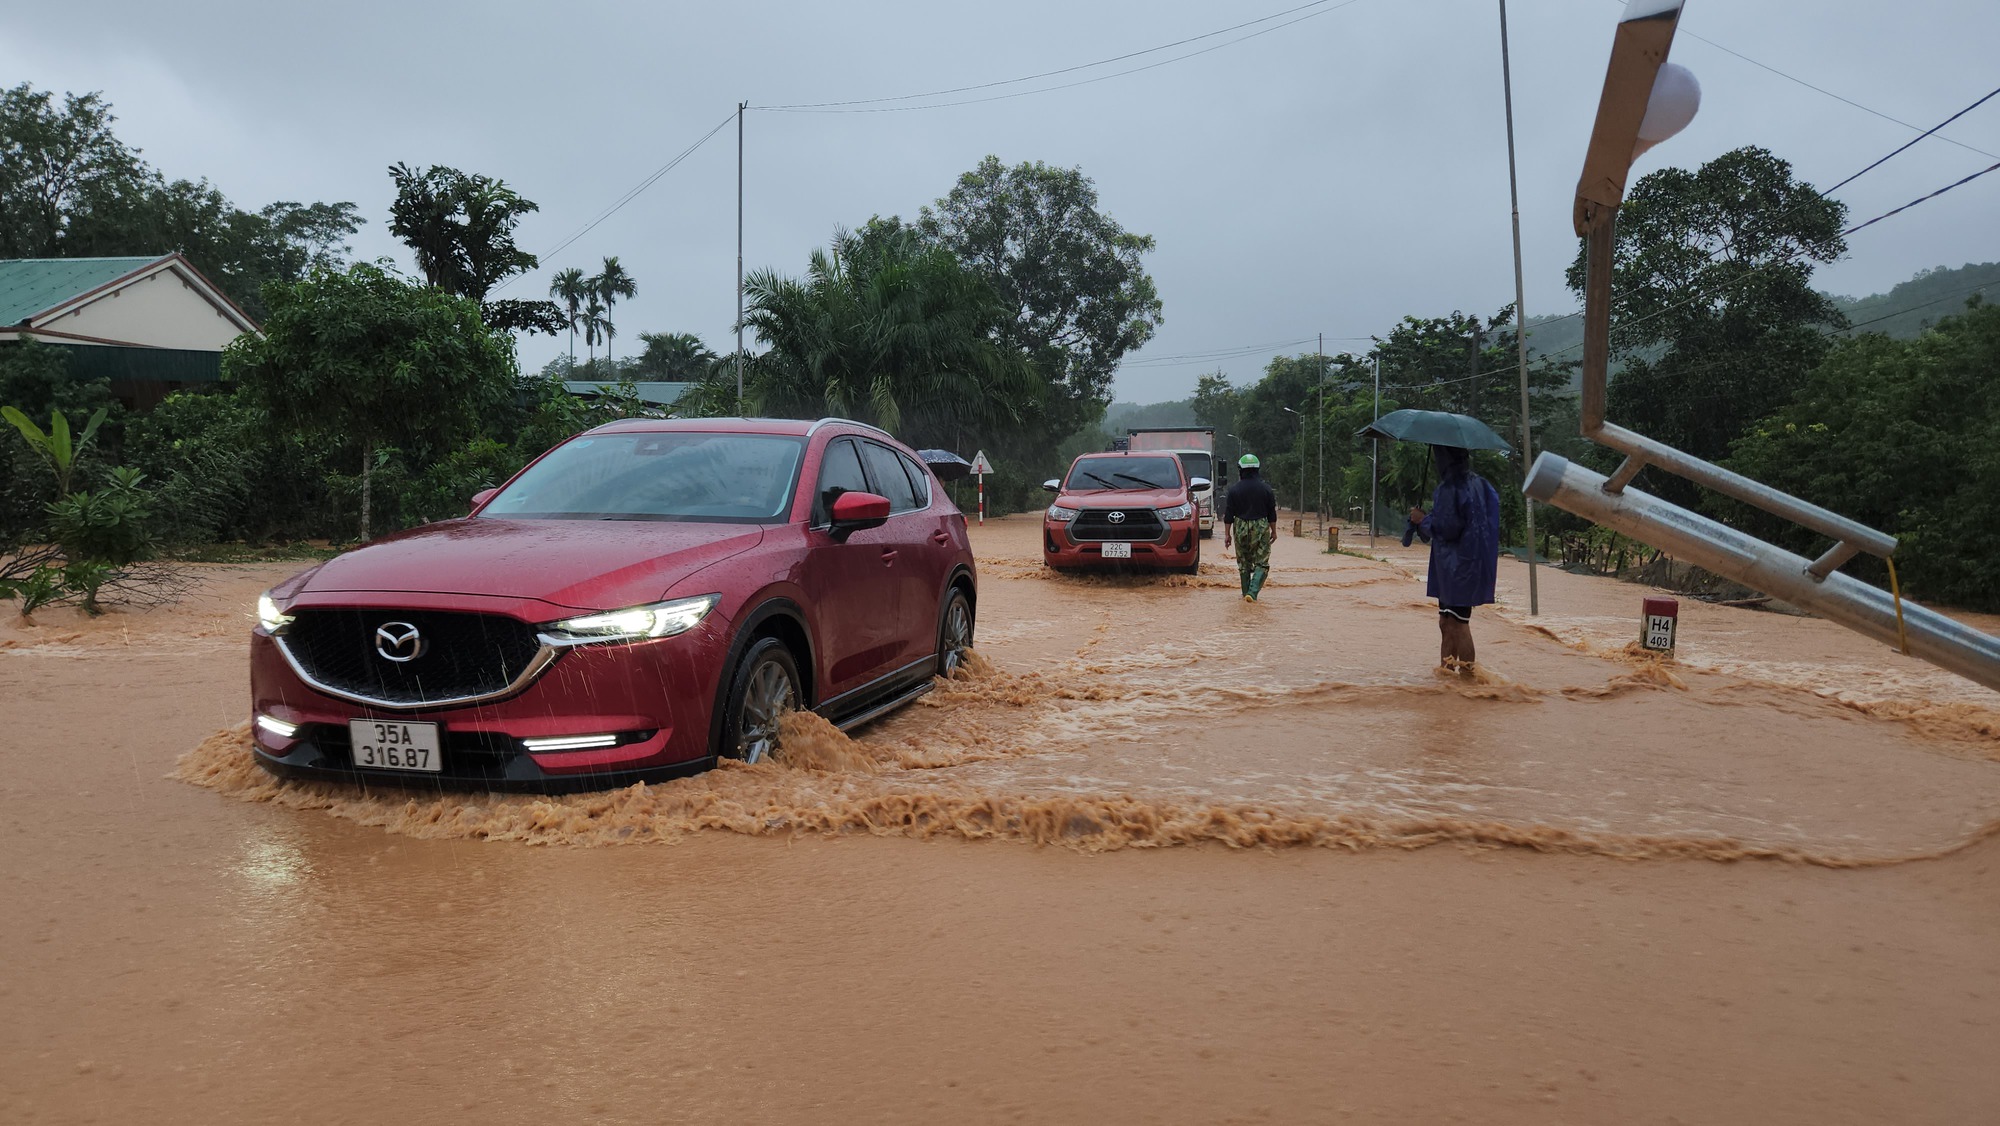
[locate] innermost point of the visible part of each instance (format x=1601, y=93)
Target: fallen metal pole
x=1766, y=568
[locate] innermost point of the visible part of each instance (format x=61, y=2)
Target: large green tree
x=1072, y=278
x=1713, y=309
x=70, y=188
x=1902, y=435
x=461, y=226
x=366, y=360
x=892, y=331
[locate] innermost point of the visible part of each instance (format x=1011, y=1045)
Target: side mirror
x=854, y=512
x=1199, y=482
x=1052, y=485
x=481, y=497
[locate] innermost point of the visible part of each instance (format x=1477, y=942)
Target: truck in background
x=1195, y=447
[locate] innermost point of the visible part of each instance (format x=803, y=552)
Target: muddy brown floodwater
x=1161, y=856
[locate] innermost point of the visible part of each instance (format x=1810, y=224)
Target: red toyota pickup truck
x=1123, y=509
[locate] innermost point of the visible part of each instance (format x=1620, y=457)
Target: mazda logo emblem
x=400, y=642
x=1116, y=518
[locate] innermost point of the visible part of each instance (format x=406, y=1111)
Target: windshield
x=1097, y=474
x=1196, y=465
x=721, y=478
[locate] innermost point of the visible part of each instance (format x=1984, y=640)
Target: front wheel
x=954, y=633
x=765, y=688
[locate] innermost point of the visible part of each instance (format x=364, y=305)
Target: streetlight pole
x=1302, y=455
x=1520, y=308
x=1374, y=461
x=1319, y=499
x=740, y=107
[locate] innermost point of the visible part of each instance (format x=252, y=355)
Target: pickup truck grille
x=1138, y=525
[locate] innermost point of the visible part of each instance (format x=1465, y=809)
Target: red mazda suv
x=1123, y=509
x=641, y=599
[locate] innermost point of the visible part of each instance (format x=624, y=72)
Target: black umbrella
x=1436, y=428
x=947, y=465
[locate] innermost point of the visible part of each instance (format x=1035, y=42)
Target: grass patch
x=257, y=553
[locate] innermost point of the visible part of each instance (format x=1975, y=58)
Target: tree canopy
x=70, y=188
x=461, y=226
x=888, y=330
x=1072, y=277
x=364, y=359
x=1713, y=309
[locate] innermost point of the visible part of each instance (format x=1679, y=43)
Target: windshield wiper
x=1141, y=480
x=1099, y=480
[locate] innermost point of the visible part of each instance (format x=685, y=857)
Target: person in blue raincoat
x=1463, y=527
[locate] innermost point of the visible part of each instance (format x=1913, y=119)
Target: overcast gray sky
x=1329, y=176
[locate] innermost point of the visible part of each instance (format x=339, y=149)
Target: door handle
x=888, y=556
x=940, y=538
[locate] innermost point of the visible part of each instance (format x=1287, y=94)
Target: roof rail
x=814, y=429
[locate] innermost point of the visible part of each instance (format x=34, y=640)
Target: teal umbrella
x=1435, y=428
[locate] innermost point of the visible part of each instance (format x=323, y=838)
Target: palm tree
x=677, y=356
x=610, y=285
x=593, y=325
x=890, y=332
x=568, y=288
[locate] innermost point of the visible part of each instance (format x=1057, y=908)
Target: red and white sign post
x=981, y=467
x=1659, y=619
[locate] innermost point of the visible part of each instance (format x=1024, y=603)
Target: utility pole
x=1520, y=311
x=740, y=107
x=1375, y=460
x=1319, y=499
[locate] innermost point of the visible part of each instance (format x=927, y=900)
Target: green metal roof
x=654, y=392
x=32, y=285
x=165, y=365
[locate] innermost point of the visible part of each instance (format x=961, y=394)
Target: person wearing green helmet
x=1249, y=513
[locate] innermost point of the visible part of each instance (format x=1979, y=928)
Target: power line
x=835, y=107
x=1923, y=199
x=1823, y=90
x=1191, y=359
x=1050, y=73
x=630, y=195
x=1912, y=141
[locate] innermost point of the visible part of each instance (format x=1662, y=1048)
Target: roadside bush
x=107, y=525
x=220, y=472
x=444, y=490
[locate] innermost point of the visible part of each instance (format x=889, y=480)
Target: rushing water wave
x=1139, y=711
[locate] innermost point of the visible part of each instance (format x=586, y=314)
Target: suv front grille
x=1140, y=525
x=459, y=656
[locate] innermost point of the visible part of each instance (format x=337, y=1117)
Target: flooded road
x=1754, y=884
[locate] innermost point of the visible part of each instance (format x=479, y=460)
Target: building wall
x=160, y=311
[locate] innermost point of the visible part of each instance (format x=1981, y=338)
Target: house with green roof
x=150, y=325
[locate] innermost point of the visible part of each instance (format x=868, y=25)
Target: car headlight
x=269, y=616
x=1065, y=515
x=1177, y=512
x=659, y=619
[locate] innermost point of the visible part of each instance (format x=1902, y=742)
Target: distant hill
x=1903, y=312
x=1922, y=301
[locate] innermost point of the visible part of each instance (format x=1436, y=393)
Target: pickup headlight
x=1064, y=515
x=1177, y=512
x=659, y=619
x=269, y=616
